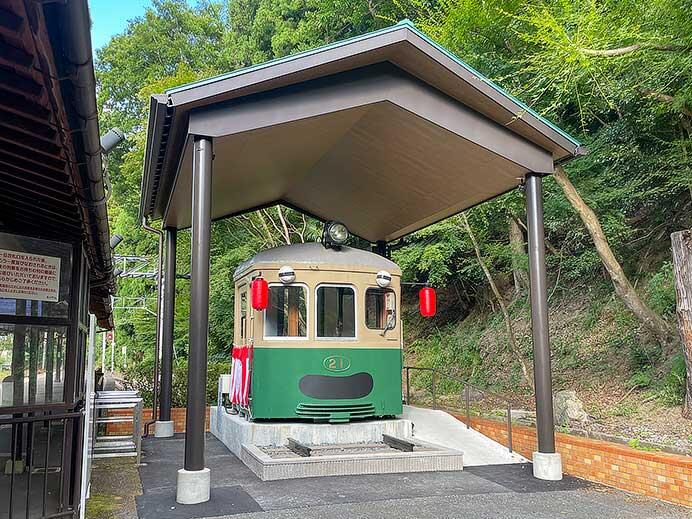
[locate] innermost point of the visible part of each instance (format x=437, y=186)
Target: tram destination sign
x=29, y=276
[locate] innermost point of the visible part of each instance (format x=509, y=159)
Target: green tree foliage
x=172, y=44
x=615, y=73
x=632, y=109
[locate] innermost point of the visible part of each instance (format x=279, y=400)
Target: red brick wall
x=656, y=474
x=123, y=428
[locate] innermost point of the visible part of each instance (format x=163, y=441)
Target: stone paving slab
x=316, y=492
x=224, y=501
x=519, y=478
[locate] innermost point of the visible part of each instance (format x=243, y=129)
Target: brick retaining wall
x=656, y=474
x=177, y=415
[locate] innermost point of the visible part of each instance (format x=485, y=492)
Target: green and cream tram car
x=317, y=335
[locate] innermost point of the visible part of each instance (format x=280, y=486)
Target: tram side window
x=380, y=309
x=336, y=312
x=286, y=315
x=243, y=316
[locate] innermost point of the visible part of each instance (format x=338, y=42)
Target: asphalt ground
x=493, y=491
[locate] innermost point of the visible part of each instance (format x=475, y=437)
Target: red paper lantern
x=427, y=301
x=260, y=294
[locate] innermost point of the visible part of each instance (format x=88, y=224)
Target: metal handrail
x=42, y=408
x=39, y=418
x=467, y=386
x=457, y=379
x=110, y=446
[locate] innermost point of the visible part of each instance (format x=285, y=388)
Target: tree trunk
x=548, y=245
x=623, y=288
x=682, y=266
x=514, y=348
x=516, y=242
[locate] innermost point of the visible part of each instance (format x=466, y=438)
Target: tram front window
x=336, y=312
x=286, y=315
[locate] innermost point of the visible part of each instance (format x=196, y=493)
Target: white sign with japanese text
x=29, y=276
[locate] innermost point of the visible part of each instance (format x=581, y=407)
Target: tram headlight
x=335, y=234
x=287, y=274
x=383, y=279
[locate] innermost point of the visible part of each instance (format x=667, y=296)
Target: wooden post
x=682, y=266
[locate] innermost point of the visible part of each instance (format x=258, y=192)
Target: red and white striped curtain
x=240, y=375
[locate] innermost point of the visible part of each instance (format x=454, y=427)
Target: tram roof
x=387, y=132
x=306, y=254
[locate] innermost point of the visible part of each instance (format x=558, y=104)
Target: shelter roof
x=387, y=132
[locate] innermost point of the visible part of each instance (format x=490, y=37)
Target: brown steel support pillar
x=194, y=480
x=165, y=426
x=546, y=461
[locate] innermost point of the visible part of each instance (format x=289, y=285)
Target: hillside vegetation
x=617, y=74
x=630, y=387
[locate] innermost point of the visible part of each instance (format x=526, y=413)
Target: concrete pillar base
x=193, y=486
x=164, y=429
x=547, y=466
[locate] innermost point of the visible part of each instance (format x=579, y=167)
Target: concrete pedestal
x=193, y=486
x=547, y=466
x=273, y=464
x=164, y=429
x=234, y=431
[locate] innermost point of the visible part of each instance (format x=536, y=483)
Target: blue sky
x=109, y=17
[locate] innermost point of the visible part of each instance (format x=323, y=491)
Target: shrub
x=624, y=409
x=641, y=379
x=643, y=355
x=139, y=378
x=453, y=351
x=636, y=443
x=661, y=290
x=673, y=387
x=214, y=369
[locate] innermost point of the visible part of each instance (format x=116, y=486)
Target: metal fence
x=41, y=477
x=464, y=396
